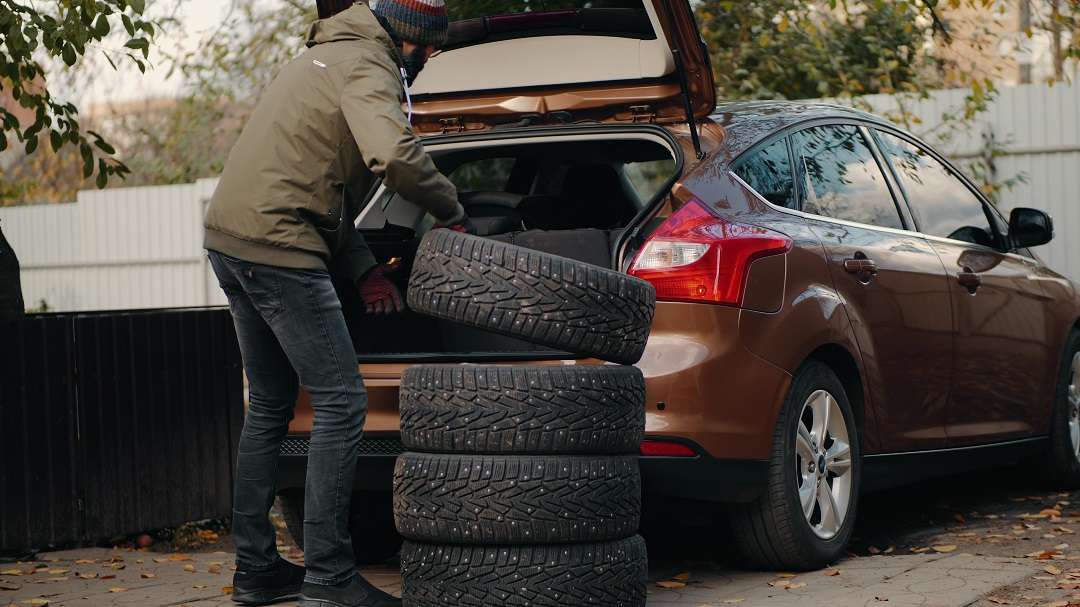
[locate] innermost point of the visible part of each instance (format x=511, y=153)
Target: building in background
x=1015, y=42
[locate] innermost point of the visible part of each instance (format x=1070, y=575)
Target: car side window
x=768, y=171
x=840, y=177
x=942, y=203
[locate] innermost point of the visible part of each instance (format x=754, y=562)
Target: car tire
x=537, y=297
x=516, y=499
x=371, y=524
x=1063, y=450
x=508, y=409
x=610, y=573
x=773, y=532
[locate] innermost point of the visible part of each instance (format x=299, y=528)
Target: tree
x=67, y=33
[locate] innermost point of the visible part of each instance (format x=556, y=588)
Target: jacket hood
x=355, y=23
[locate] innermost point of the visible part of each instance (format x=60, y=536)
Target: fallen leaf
x=682, y=577
x=179, y=557
x=217, y=569
x=832, y=572
x=11, y=572
x=36, y=602
x=5, y=585
x=944, y=548
x=189, y=568
x=199, y=586
x=226, y=590
x=146, y=575
x=786, y=584
x=1057, y=604
x=108, y=577
x=874, y=550
x=1052, y=570
x=997, y=600
x=117, y=589
x=670, y=585
x=85, y=561
x=86, y=576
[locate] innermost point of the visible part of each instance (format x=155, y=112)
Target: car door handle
x=860, y=265
x=969, y=280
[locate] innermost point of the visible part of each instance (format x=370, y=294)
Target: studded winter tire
x=519, y=409
x=611, y=574
x=537, y=297
x=516, y=499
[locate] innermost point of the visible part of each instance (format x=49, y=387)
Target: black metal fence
x=112, y=423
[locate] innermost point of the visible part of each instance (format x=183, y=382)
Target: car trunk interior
x=572, y=195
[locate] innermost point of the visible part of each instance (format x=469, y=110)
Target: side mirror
x=1030, y=228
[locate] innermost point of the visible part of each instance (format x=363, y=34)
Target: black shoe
x=357, y=592
x=279, y=583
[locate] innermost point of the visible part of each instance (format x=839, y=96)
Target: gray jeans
x=291, y=330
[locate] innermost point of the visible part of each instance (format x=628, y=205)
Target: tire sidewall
x=811, y=378
x=1066, y=467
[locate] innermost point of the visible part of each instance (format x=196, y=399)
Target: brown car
x=840, y=308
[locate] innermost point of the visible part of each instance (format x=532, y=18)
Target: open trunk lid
x=565, y=61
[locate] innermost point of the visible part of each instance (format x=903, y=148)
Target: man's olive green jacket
x=329, y=125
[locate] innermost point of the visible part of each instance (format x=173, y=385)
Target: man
x=11, y=299
x=278, y=227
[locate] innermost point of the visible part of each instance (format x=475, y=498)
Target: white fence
x=115, y=249
x=142, y=247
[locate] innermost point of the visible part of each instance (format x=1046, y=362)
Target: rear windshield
x=488, y=8
x=479, y=21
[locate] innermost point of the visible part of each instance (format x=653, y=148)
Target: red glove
x=379, y=294
x=465, y=226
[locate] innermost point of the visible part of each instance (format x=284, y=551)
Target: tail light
x=696, y=256
x=661, y=448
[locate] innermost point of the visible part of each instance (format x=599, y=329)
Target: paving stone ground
x=942, y=581
x=980, y=541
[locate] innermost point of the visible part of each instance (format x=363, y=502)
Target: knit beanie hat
x=422, y=22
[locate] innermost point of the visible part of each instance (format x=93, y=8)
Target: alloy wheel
x=1074, y=405
x=823, y=463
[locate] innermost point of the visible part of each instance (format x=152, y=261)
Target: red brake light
x=655, y=448
x=696, y=256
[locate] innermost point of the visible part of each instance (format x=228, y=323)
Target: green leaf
x=31, y=144
x=102, y=176
x=137, y=5
x=101, y=26
x=105, y=147
x=141, y=44
x=128, y=25
x=57, y=140
x=69, y=54
x=88, y=159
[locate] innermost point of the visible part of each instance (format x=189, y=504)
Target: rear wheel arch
x=843, y=363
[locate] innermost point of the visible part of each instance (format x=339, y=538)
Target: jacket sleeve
x=355, y=260
x=371, y=102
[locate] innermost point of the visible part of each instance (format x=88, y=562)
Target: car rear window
x=493, y=20
x=471, y=10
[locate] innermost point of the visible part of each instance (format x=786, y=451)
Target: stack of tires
x=521, y=485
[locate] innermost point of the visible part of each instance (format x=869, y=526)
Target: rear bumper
x=703, y=477
x=699, y=478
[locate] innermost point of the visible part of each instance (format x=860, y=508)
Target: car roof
x=748, y=122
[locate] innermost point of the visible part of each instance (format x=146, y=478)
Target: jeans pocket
x=263, y=289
